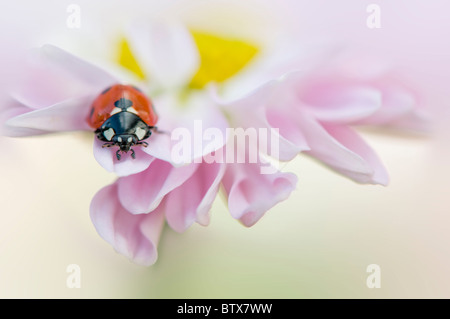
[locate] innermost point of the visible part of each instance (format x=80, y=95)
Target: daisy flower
x=198, y=72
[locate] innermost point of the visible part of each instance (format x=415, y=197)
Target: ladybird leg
x=133, y=155
x=118, y=155
x=144, y=144
x=107, y=145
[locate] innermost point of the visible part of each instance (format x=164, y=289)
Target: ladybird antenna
x=107, y=145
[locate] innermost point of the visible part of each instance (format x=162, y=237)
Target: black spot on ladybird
x=123, y=103
x=106, y=90
x=92, y=112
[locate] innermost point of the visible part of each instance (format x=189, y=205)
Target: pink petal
x=52, y=75
x=358, y=64
x=352, y=141
x=251, y=194
x=192, y=201
x=417, y=121
x=266, y=108
x=341, y=102
x=107, y=158
x=14, y=110
x=360, y=89
x=134, y=236
x=68, y=115
x=401, y=109
x=291, y=139
x=396, y=103
x=141, y=193
x=343, y=150
x=159, y=144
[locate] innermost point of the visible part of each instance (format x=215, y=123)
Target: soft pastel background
x=317, y=244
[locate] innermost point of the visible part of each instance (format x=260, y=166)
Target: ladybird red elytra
x=123, y=116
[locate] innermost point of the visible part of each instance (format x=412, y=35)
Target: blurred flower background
x=319, y=242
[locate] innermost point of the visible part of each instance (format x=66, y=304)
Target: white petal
x=166, y=50
x=78, y=68
x=194, y=119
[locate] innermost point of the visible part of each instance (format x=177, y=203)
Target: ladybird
x=123, y=116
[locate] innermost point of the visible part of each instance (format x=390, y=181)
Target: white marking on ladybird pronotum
x=140, y=133
x=109, y=133
x=132, y=110
x=115, y=111
x=119, y=139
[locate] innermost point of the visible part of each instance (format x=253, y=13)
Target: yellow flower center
x=220, y=58
x=127, y=59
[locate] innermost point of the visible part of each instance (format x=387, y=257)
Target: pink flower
x=310, y=111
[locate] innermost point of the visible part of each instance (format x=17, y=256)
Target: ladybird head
x=124, y=141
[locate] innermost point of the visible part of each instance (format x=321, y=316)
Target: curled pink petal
x=251, y=194
x=106, y=157
x=291, y=139
x=354, y=143
x=134, y=236
x=192, y=201
x=343, y=150
x=141, y=193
